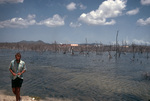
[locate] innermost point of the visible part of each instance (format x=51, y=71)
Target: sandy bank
x=4, y=97
x=27, y=98
x=12, y=98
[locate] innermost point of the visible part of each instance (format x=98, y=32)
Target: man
x=17, y=68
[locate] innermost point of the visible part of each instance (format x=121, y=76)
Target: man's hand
x=19, y=73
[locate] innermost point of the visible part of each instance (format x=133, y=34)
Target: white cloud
x=142, y=22
x=139, y=42
x=75, y=25
x=82, y=6
x=145, y=2
x=134, y=41
x=18, y=22
x=71, y=6
x=31, y=16
x=24, y=23
x=11, y=1
x=56, y=20
x=108, y=9
x=133, y=12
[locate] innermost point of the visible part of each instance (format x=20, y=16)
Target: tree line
x=56, y=47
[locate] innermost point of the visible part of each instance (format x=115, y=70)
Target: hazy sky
x=74, y=21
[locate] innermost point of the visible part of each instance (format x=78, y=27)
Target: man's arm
x=14, y=74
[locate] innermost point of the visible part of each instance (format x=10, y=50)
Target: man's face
x=18, y=58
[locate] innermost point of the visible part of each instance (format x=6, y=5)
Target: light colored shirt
x=17, y=68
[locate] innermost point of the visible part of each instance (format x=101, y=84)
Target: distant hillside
x=32, y=42
x=27, y=45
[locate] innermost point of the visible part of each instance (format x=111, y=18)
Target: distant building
x=74, y=44
x=125, y=46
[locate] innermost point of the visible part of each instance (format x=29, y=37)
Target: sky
x=75, y=21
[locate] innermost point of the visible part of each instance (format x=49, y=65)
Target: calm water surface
x=79, y=77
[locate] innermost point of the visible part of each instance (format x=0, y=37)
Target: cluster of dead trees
x=81, y=48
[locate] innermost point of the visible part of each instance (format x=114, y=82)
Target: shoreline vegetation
x=86, y=48
x=81, y=48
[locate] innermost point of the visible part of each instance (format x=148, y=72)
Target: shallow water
x=80, y=77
